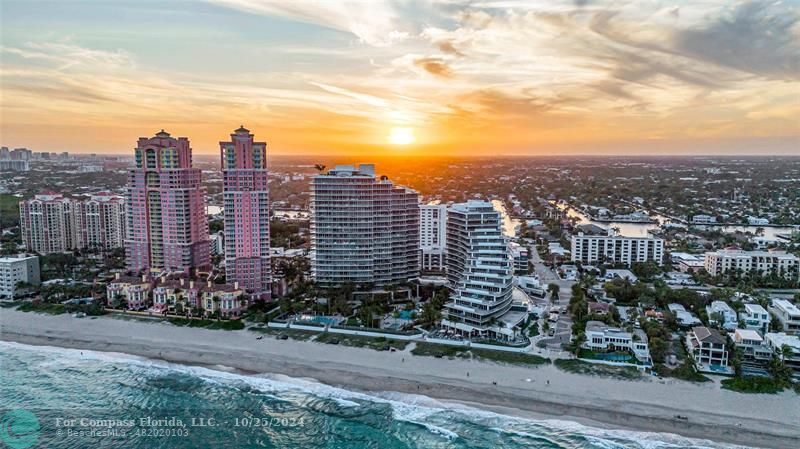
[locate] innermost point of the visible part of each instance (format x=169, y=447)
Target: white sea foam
x=411, y=408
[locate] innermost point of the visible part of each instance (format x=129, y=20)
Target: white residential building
x=703, y=219
x=682, y=316
x=432, y=236
x=687, y=262
x=777, y=342
x=14, y=270
x=479, y=273
x=755, y=317
x=788, y=314
x=752, y=345
x=531, y=284
x=721, y=314
x=520, y=257
x=757, y=221
x=590, y=249
x=707, y=346
x=600, y=336
x=218, y=243
x=763, y=262
x=364, y=229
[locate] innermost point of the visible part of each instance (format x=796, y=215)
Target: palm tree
x=319, y=167
x=553, y=289
x=216, y=300
x=786, y=352
x=580, y=339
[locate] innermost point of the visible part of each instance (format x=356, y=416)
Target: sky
x=447, y=77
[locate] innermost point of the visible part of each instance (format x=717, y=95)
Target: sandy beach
x=645, y=405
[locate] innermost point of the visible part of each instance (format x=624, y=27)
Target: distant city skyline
x=495, y=77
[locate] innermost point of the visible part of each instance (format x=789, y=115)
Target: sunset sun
x=402, y=136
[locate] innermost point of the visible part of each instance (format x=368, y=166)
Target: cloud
x=434, y=66
x=68, y=54
x=364, y=98
x=759, y=37
x=373, y=22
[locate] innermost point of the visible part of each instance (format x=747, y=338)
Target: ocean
x=64, y=398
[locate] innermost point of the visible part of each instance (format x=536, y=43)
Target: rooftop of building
x=599, y=306
x=747, y=334
x=365, y=170
x=786, y=305
x=779, y=339
x=740, y=252
x=675, y=307
x=720, y=306
x=755, y=308
x=707, y=335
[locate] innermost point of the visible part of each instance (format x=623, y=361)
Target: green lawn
x=377, y=343
x=763, y=385
x=228, y=325
x=44, y=307
x=596, y=369
x=432, y=349
x=685, y=371
x=514, y=358
x=294, y=334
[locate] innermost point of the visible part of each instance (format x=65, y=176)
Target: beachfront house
x=788, y=314
x=602, y=337
x=720, y=314
x=683, y=317
x=786, y=347
x=752, y=345
x=755, y=317
x=132, y=292
x=707, y=346
x=227, y=299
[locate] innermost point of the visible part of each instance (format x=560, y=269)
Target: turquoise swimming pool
x=613, y=357
x=406, y=314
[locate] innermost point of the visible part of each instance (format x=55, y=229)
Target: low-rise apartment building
x=686, y=262
x=761, y=262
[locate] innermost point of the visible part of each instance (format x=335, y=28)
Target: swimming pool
x=324, y=320
x=406, y=315
x=613, y=357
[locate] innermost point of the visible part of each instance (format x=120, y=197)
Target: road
x=563, y=329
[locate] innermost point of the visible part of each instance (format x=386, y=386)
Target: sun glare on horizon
x=402, y=136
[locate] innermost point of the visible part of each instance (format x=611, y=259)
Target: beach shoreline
x=527, y=392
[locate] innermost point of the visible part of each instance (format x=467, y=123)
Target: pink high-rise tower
x=167, y=226
x=246, y=204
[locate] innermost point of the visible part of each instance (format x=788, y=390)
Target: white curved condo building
x=479, y=273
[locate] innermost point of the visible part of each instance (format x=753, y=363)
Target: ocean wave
x=437, y=417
